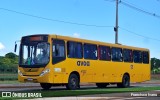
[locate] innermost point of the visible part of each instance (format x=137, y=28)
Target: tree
x=4, y=61
x=9, y=62
x=11, y=55
x=155, y=65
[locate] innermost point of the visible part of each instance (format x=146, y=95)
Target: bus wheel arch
x=46, y=86
x=125, y=81
x=102, y=85
x=73, y=81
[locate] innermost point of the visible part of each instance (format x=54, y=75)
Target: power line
x=54, y=20
x=139, y=34
x=139, y=9
x=136, y=8
x=67, y=22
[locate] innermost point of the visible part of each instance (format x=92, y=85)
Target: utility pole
x=116, y=27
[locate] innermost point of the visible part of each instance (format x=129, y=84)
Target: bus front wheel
x=73, y=82
x=46, y=86
x=125, y=82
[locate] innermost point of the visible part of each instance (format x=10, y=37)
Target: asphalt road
x=36, y=86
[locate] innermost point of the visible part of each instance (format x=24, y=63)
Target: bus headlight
x=20, y=73
x=44, y=72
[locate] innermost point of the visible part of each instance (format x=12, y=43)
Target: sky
x=26, y=17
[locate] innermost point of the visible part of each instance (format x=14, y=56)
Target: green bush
x=155, y=71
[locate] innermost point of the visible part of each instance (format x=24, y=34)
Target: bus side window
x=117, y=54
x=58, y=51
x=113, y=54
x=108, y=52
x=137, y=56
x=74, y=49
x=120, y=54
x=104, y=53
x=145, y=57
x=90, y=51
x=127, y=55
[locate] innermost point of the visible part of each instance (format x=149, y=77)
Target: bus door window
x=58, y=51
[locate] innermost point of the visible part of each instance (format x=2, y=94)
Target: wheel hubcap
x=126, y=80
x=73, y=82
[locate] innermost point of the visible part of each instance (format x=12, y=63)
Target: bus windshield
x=34, y=53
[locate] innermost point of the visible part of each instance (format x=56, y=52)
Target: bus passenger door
x=58, y=56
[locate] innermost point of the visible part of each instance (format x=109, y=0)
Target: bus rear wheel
x=46, y=86
x=73, y=82
x=101, y=85
x=125, y=82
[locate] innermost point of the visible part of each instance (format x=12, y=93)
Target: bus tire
x=46, y=86
x=125, y=82
x=73, y=82
x=101, y=85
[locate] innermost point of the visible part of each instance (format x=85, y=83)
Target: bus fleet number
x=83, y=63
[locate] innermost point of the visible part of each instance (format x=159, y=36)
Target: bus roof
x=95, y=42
x=68, y=38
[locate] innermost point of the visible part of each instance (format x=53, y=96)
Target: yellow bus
x=60, y=60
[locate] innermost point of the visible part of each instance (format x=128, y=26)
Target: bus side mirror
x=15, y=48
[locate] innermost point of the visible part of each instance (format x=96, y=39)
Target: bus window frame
x=56, y=60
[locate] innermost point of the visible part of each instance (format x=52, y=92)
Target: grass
x=52, y=93
x=4, y=77
x=88, y=91
x=10, y=82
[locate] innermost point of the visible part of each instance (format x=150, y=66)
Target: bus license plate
x=30, y=79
